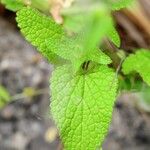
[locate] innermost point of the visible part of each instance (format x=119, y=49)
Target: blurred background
x=25, y=123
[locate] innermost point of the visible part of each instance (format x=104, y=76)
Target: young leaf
x=38, y=28
x=13, y=5
x=94, y=23
x=82, y=106
x=139, y=62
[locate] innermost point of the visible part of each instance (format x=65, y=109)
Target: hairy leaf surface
x=38, y=28
x=139, y=62
x=82, y=106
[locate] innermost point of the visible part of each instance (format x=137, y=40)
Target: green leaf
x=139, y=62
x=82, y=105
x=114, y=36
x=93, y=22
x=13, y=5
x=38, y=28
x=4, y=96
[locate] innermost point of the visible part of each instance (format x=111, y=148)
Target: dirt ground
x=25, y=124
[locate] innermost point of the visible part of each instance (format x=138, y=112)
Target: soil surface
x=25, y=123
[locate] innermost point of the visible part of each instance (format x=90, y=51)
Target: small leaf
x=139, y=62
x=94, y=23
x=4, y=96
x=82, y=106
x=13, y=5
x=38, y=28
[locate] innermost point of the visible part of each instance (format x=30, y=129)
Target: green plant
x=83, y=86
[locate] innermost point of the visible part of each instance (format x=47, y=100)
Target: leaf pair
x=55, y=45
